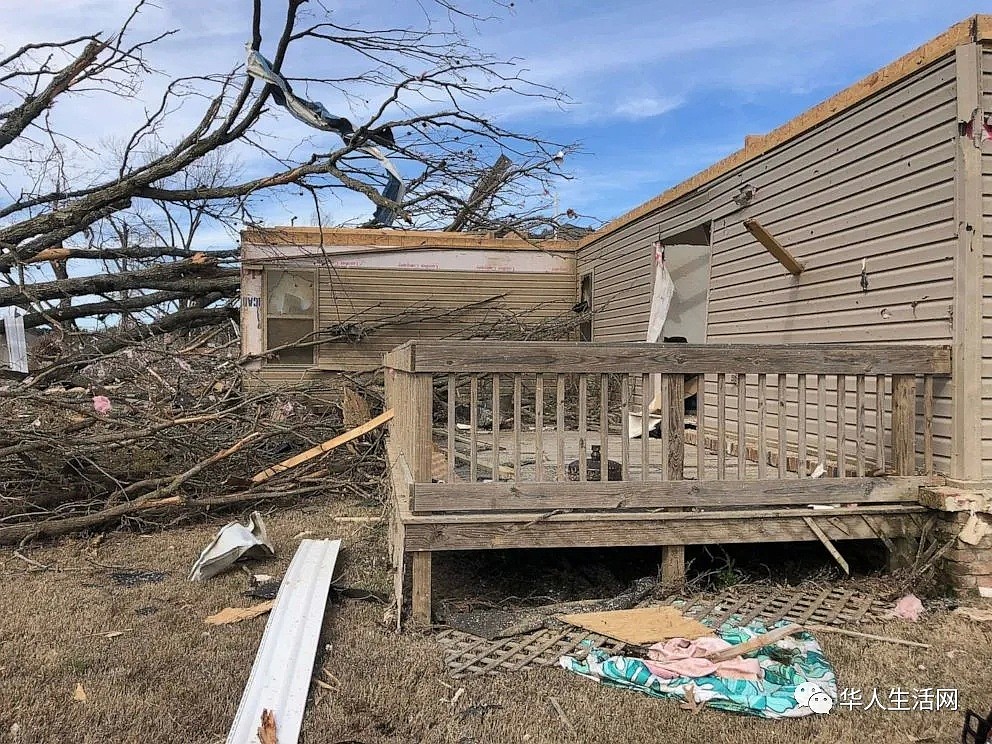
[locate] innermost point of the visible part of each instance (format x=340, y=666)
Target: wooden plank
x=457, y=497
x=822, y=537
x=762, y=427
x=880, y=423
x=517, y=406
x=327, y=446
x=625, y=426
x=421, y=610
x=904, y=424
x=783, y=459
x=526, y=356
x=604, y=426
x=657, y=529
x=841, y=425
x=860, y=425
x=666, y=425
x=539, y=426
x=721, y=425
x=473, y=431
x=941, y=46
x=741, y=426
x=583, y=431
x=801, y=425
x=779, y=252
x=928, y=424
x=560, y=425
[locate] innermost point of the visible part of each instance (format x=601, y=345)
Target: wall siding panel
x=875, y=182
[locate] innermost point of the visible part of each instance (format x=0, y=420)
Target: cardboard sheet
x=641, y=626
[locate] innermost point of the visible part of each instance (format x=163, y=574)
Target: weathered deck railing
x=523, y=417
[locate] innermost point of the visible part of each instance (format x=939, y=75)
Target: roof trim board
x=975, y=29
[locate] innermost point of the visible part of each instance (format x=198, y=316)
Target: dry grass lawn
x=171, y=678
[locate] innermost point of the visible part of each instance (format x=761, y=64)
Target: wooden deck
x=449, y=493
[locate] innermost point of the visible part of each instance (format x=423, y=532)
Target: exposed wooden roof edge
x=978, y=28
x=337, y=237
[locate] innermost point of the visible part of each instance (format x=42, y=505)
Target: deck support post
x=673, y=565
x=422, y=587
x=902, y=552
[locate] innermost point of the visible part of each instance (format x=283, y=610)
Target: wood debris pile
x=160, y=431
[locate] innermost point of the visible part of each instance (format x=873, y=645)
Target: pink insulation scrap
x=908, y=608
x=101, y=404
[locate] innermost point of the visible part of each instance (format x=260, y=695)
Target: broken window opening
x=290, y=314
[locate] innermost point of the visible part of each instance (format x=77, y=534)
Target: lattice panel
x=467, y=655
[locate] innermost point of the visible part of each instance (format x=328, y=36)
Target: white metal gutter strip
x=280, y=677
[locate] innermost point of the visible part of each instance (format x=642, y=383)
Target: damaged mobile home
x=830, y=280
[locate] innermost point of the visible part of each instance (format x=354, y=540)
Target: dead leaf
x=236, y=614
x=79, y=693
x=267, y=731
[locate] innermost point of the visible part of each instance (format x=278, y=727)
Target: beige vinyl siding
x=986, y=82
x=877, y=182
x=431, y=304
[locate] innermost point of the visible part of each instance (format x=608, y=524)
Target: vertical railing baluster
x=783, y=460
x=496, y=414
x=721, y=426
x=880, y=424
x=452, y=382
x=762, y=438
x=473, y=419
x=604, y=426
x=625, y=426
x=517, y=405
x=841, y=426
x=700, y=427
x=583, y=431
x=645, y=424
x=801, y=426
x=904, y=424
x=560, y=424
x=821, y=420
x=539, y=426
x=860, y=424
x=666, y=425
x=928, y=424
x=742, y=426
x=675, y=404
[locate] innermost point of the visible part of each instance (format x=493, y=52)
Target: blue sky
x=660, y=90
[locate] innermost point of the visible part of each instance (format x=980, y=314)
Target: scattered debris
x=641, y=626
x=974, y=530
x=479, y=710
x=327, y=446
x=264, y=590
x=79, y=694
x=456, y=697
x=561, y=714
x=33, y=564
x=866, y=636
x=980, y=614
x=739, y=694
x=267, y=731
x=236, y=614
x=505, y=623
x=108, y=633
x=231, y=543
x=133, y=578
x=284, y=662
x=908, y=608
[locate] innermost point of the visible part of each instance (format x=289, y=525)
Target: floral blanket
x=790, y=662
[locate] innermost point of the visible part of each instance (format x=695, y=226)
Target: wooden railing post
x=673, y=556
x=904, y=424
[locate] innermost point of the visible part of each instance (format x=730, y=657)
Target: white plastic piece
x=234, y=541
x=280, y=677
x=13, y=331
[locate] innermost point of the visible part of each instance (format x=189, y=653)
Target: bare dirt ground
x=171, y=678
